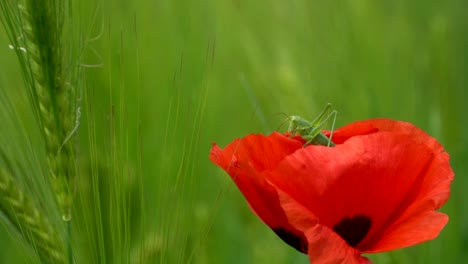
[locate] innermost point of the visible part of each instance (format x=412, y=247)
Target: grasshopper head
x=297, y=124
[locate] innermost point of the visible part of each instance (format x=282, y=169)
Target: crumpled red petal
x=389, y=175
x=244, y=160
x=383, y=184
x=395, y=180
x=434, y=192
x=325, y=246
x=360, y=128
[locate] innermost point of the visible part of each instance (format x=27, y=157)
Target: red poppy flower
x=376, y=190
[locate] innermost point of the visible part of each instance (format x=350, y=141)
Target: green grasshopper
x=310, y=131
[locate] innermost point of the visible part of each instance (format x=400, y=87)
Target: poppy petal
x=326, y=247
x=320, y=238
x=358, y=128
x=377, y=176
x=419, y=222
x=414, y=230
x=434, y=191
x=370, y=126
x=242, y=161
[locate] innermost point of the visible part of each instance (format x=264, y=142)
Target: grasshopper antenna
x=286, y=119
x=254, y=102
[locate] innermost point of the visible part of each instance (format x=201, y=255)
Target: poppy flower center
x=354, y=229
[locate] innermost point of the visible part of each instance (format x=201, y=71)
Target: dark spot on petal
x=354, y=229
x=291, y=239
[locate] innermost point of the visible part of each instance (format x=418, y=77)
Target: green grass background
x=174, y=76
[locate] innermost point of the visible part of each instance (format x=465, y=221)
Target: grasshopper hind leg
x=314, y=136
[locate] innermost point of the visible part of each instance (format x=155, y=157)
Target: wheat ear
x=29, y=221
x=42, y=26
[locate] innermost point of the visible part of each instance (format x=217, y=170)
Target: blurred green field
x=164, y=79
